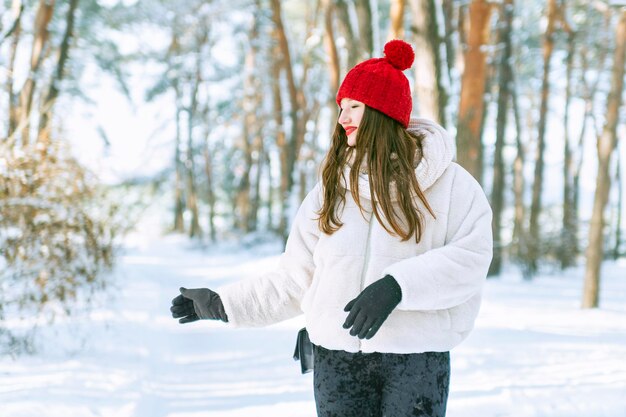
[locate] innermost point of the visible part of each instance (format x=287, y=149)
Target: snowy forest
x=196, y=129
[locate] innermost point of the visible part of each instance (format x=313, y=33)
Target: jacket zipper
x=367, y=258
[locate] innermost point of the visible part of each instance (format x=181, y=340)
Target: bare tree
x=518, y=175
x=568, y=248
x=40, y=43
x=347, y=28
x=334, y=67
x=270, y=192
x=250, y=105
x=14, y=33
x=53, y=91
x=289, y=145
x=179, y=200
x=210, y=186
x=300, y=111
x=281, y=137
x=619, y=205
x=471, y=107
x=589, y=95
x=331, y=48
x=606, y=145
x=448, y=13
x=429, y=91
x=256, y=124
x=366, y=26
x=195, y=230
x=504, y=98
x=536, y=206
x=396, y=18
x=255, y=202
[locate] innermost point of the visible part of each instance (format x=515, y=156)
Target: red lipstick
x=349, y=130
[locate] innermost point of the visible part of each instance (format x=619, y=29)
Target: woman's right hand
x=198, y=303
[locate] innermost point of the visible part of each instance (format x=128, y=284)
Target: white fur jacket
x=441, y=277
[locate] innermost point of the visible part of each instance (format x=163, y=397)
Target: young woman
x=386, y=256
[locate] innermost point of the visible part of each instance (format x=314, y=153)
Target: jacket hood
x=437, y=154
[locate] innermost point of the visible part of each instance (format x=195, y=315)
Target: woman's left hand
x=370, y=309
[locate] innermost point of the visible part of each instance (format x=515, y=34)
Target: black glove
x=370, y=309
x=198, y=303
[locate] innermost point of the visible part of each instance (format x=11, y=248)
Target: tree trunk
x=303, y=184
x=195, y=231
x=179, y=200
x=281, y=140
x=255, y=202
x=429, y=91
x=333, y=58
x=290, y=148
x=620, y=207
x=306, y=105
x=257, y=142
x=396, y=17
x=519, y=233
x=462, y=28
x=15, y=32
x=447, y=9
x=43, y=135
x=504, y=97
x=471, y=107
x=347, y=29
x=606, y=144
x=366, y=34
x=331, y=48
x=270, y=193
x=569, y=247
x=589, y=95
x=192, y=195
x=208, y=173
x=577, y=171
x=250, y=106
x=536, y=206
x=17, y=8
x=243, y=189
x=40, y=41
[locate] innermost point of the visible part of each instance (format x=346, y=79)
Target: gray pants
x=380, y=384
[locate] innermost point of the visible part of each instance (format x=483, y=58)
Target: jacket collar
x=438, y=152
x=438, y=148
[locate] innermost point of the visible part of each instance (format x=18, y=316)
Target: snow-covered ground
x=533, y=352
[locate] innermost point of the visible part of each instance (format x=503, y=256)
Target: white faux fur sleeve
x=450, y=275
x=276, y=296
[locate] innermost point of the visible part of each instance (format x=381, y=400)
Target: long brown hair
x=390, y=154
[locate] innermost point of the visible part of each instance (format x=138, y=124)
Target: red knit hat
x=380, y=83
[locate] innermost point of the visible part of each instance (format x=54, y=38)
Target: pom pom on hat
x=399, y=54
x=381, y=84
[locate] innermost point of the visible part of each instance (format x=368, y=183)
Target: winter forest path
x=533, y=352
